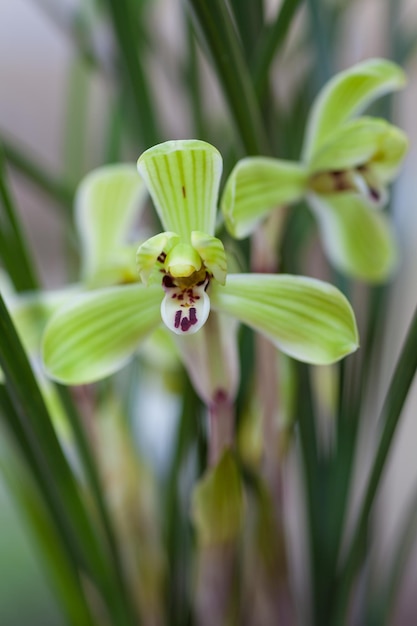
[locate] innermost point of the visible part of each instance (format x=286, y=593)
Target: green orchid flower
x=184, y=275
x=347, y=163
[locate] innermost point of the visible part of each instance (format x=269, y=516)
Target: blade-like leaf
x=183, y=179
x=107, y=203
x=347, y=94
x=363, y=141
x=256, y=186
x=95, y=334
x=358, y=240
x=306, y=318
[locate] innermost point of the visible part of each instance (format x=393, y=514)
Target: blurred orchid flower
x=183, y=273
x=347, y=162
x=108, y=202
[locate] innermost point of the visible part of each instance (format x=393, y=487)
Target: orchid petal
x=256, y=186
x=212, y=251
x=183, y=179
x=360, y=141
x=357, y=239
x=96, y=333
x=306, y=318
x=345, y=96
x=107, y=203
x=151, y=249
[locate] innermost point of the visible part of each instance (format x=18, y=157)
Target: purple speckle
x=178, y=319
x=185, y=324
x=193, y=315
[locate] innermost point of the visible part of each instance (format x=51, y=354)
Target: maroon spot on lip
x=193, y=316
x=178, y=319
x=185, y=324
x=167, y=281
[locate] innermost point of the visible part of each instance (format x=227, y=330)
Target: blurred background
x=42, y=72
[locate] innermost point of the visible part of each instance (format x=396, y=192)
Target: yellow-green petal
x=256, y=186
x=149, y=251
x=307, y=319
x=212, y=252
x=183, y=179
x=108, y=201
x=346, y=95
x=96, y=333
x=363, y=141
x=359, y=241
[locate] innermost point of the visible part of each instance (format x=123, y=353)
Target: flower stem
x=220, y=35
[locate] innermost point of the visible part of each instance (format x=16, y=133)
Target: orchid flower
x=108, y=201
x=347, y=162
x=184, y=274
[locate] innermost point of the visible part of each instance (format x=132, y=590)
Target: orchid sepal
x=183, y=178
x=305, y=318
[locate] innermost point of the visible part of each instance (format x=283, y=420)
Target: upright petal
x=346, y=95
x=183, y=179
x=256, y=186
x=358, y=240
x=359, y=142
x=306, y=318
x=97, y=333
x=107, y=203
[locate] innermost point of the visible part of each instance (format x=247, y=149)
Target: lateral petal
x=307, y=319
x=96, y=333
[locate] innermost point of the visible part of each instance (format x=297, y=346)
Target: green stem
x=127, y=39
x=270, y=42
x=15, y=254
x=38, y=438
x=93, y=478
x=215, y=23
x=395, y=398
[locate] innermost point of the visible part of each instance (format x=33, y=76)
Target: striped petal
x=108, y=201
x=360, y=141
x=256, y=186
x=183, y=179
x=345, y=96
x=98, y=332
x=306, y=318
x=358, y=240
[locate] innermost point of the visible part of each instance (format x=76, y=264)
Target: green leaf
x=183, y=179
x=346, y=95
x=108, y=201
x=217, y=503
x=363, y=141
x=358, y=240
x=96, y=334
x=306, y=318
x=256, y=186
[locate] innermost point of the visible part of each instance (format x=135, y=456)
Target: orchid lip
x=185, y=309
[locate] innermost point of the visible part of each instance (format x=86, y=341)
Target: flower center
x=359, y=179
